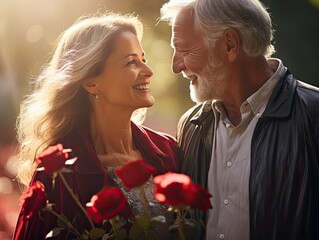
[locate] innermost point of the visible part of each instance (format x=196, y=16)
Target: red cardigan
x=88, y=178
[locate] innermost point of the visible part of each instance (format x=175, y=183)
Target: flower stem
x=75, y=198
x=68, y=223
x=181, y=233
x=116, y=233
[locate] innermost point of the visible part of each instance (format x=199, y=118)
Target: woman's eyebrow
x=133, y=54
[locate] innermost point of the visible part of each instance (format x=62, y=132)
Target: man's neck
x=248, y=76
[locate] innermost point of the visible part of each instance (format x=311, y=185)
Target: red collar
x=88, y=163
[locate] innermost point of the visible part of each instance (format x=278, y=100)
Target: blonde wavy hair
x=58, y=103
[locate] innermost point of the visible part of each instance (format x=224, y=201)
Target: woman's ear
x=232, y=42
x=90, y=85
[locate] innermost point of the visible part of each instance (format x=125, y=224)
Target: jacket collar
x=203, y=113
x=88, y=162
x=281, y=99
x=279, y=104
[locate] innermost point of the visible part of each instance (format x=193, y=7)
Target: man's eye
x=131, y=62
x=184, y=53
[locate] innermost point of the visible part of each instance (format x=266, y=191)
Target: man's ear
x=232, y=43
x=90, y=85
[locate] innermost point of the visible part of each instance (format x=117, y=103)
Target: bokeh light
x=34, y=33
x=6, y=185
x=11, y=166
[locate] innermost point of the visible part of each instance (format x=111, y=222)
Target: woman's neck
x=111, y=132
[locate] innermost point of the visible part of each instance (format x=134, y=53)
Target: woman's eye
x=134, y=61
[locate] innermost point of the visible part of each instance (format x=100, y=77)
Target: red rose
x=53, y=158
x=33, y=200
x=171, y=188
x=106, y=204
x=135, y=173
x=179, y=190
x=199, y=198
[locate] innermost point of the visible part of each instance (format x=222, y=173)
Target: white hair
x=248, y=17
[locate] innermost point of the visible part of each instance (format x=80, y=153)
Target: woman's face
x=125, y=79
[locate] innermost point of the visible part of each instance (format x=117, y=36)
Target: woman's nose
x=147, y=70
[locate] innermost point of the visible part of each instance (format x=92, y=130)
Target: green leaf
x=84, y=236
x=136, y=232
x=150, y=235
x=122, y=234
x=53, y=233
x=97, y=233
x=143, y=222
x=158, y=219
x=120, y=222
x=190, y=224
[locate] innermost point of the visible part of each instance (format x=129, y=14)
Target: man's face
x=194, y=59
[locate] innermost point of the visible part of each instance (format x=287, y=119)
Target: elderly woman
x=85, y=99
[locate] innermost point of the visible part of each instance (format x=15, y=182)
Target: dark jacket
x=284, y=176
x=89, y=177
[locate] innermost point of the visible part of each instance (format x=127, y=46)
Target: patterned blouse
x=137, y=198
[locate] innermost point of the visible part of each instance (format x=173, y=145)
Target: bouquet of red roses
x=106, y=206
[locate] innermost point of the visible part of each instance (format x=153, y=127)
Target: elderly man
x=253, y=138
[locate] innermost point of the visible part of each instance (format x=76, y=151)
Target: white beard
x=211, y=82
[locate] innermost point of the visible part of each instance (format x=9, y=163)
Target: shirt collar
x=258, y=101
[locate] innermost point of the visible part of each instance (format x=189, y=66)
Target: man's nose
x=178, y=63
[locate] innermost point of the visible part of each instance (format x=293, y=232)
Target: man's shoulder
x=191, y=112
x=308, y=94
x=198, y=113
x=306, y=87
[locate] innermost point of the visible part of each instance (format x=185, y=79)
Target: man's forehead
x=184, y=19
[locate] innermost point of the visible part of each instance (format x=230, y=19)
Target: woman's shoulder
x=157, y=137
x=159, y=149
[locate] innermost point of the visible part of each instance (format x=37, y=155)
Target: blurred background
x=28, y=30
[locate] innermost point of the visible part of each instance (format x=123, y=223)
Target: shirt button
x=228, y=125
x=226, y=201
x=229, y=164
x=221, y=236
x=258, y=115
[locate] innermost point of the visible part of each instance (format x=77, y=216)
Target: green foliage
x=143, y=228
x=96, y=233
x=122, y=234
x=314, y=3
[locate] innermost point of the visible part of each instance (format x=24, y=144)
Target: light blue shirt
x=228, y=176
